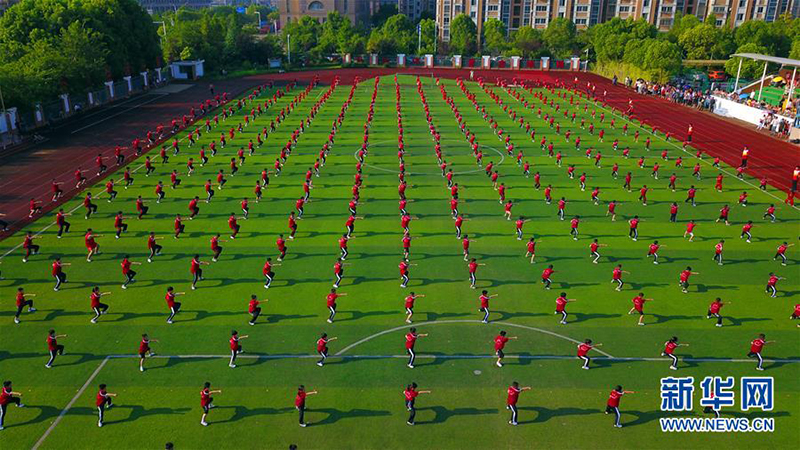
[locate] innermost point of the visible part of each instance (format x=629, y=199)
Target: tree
x=559, y=37
x=700, y=42
x=428, y=29
x=495, y=36
x=383, y=14
x=662, y=58
x=681, y=24
x=527, y=42
x=635, y=51
x=463, y=36
x=751, y=69
x=795, y=52
x=335, y=30
x=303, y=35
x=395, y=36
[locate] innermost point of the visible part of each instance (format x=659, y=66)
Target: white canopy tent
x=767, y=59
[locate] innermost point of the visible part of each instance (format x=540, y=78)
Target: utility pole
x=419, y=39
x=289, y=48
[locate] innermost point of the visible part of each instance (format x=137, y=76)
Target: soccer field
x=360, y=400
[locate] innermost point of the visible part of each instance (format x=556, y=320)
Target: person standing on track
x=669, y=350
x=411, y=339
x=583, y=352
x=756, y=345
x=236, y=347
x=499, y=344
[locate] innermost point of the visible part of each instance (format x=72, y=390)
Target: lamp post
x=165, y=28
x=259, y=20
x=289, y=48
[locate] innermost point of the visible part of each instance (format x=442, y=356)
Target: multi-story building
x=414, y=9
x=154, y=6
x=585, y=13
x=358, y=11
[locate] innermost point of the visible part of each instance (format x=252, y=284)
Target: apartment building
x=414, y=9
x=358, y=11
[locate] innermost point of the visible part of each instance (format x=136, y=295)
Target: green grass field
x=359, y=404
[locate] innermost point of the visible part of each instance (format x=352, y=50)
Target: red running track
x=28, y=174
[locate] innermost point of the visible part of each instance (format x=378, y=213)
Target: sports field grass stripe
x=70, y=404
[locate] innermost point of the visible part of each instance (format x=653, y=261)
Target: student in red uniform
x=409, y=304
x=612, y=405
x=195, y=268
x=684, y=278
x=152, y=245
x=411, y=339
x=145, y=350
x=91, y=245
x=98, y=307
x=410, y=395
x=331, y=303
x=546, y=274
x=652, y=250
x=771, y=284
x=756, y=345
x=781, y=252
x=322, y=347
x=404, y=273
x=484, y=302
x=616, y=276
x=633, y=232
x=531, y=249
x=465, y=243
x=638, y=306
x=723, y=215
x=58, y=272
x=300, y=402
x=561, y=305
x=254, y=309
x=669, y=350
x=206, y=401
x=718, y=249
x=22, y=303
x=174, y=307
x=215, y=247
x=472, y=267
x=593, y=250
x=713, y=310
x=281, y=244
x=29, y=246
x=61, y=221
x=234, y=225
x=53, y=347
x=499, y=344
x=583, y=352
x=103, y=402
x=127, y=272
x=690, y=230
x=796, y=314
x=236, y=348
x=7, y=396
x=770, y=213
x=268, y=273
x=511, y=402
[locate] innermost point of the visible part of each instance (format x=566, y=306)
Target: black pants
x=256, y=312
x=122, y=228
x=514, y=412
x=4, y=408
x=269, y=278
x=412, y=411
x=28, y=303
x=32, y=249
x=100, y=309
x=411, y=356
x=60, y=278
x=617, y=415
x=129, y=277
x=198, y=275
x=757, y=355
x=323, y=356
x=332, y=309
x=144, y=209
x=58, y=351
x=217, y=252
x=101, y=410
x=156, y=250
x=63, y=227
x=90, y=209
x=302, y=410
x=174, y=310
x=717, y=316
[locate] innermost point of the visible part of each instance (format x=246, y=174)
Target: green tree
x=495, y=37
x=681, y=24
x=303, y=36
x=662, y=58
x=751, y=69
x=428, y=29
x=463, y=36
x=795, y=52
x=559, y=37
x=635, y=51
x=700, y=42
x=384, y=12
x=527, y=43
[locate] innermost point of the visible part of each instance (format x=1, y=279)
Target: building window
x=760, y=10
x=719, y=22
x=740, y=16
x=517, y=10
x=666, y=23
x=742, y=3
x=457, y=8
x=666, y=9
x=492, y=8
x=719, y=9
x=644, y=16
x=473, y=15
x=582, y=8
x=561, y=15
x=541, y=8
x=540, y=21
x=316, y=6
x=624, y=8
x=580, y=21
x=515, y=23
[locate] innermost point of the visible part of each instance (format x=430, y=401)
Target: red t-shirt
x=411, y=338
x=513, y=395
x=756, y=345
x=613, y=398
x=332, y=299
x=500, y=342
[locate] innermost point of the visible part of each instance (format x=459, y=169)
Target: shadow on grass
x=442, y=414
x=545, y=414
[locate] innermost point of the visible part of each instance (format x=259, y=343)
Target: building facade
x=358, y=11
x=585, y=13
